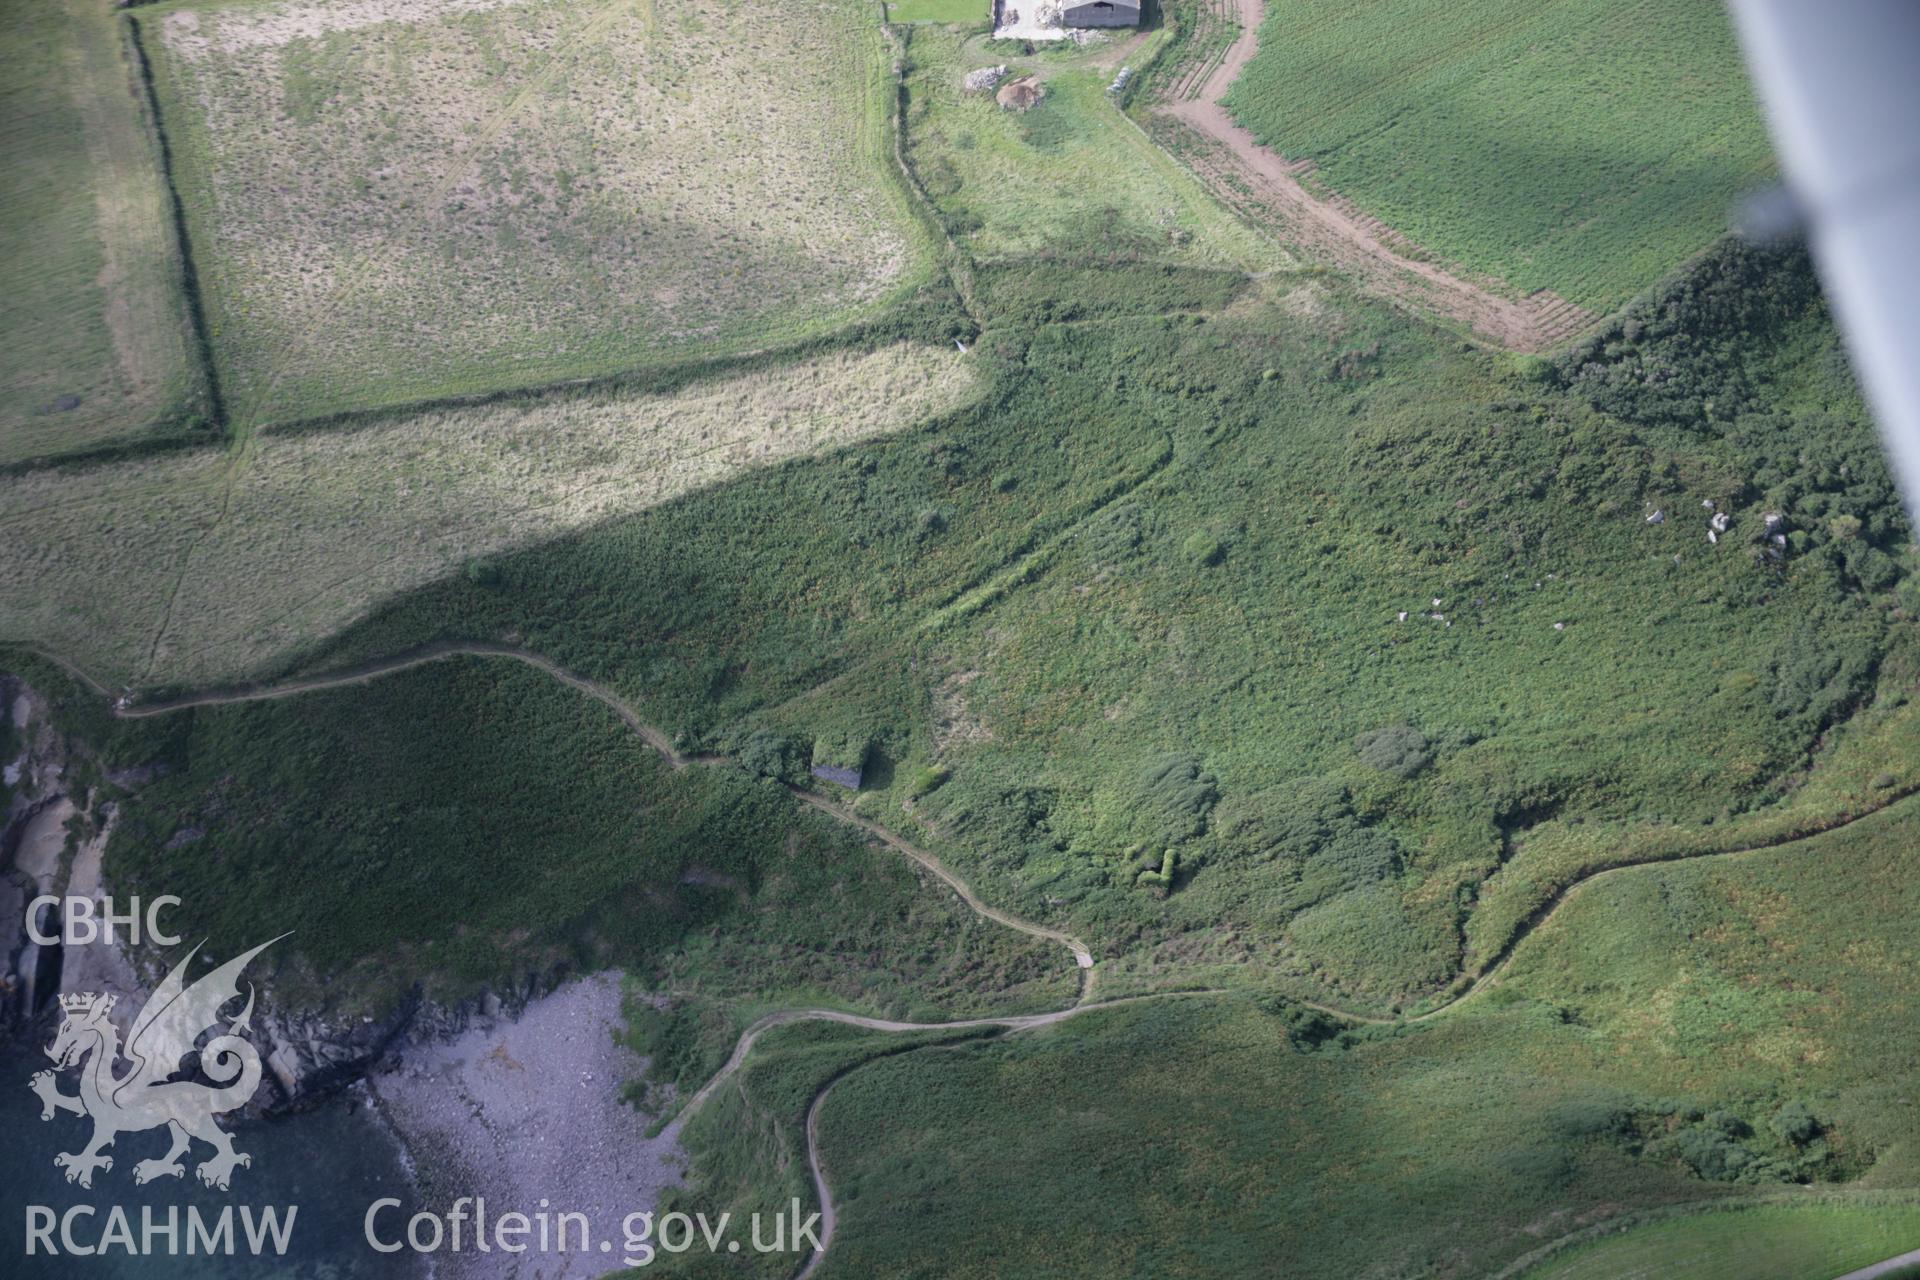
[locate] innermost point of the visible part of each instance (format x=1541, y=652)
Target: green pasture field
x=95, y=346
x=963, y=12
x=1070, y=177
x=1586, y=147
x=390, y=206
x=1763, y=1242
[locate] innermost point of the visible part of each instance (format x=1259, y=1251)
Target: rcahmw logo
x=164, y=1232
x=147, y=1094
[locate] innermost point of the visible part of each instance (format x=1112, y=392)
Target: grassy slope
x=968, y=12
x=1762, y=975
x=1587, y=147
x=1824, y=1240
x=87, y=262
x=1190, y=1138
x=523, y=194
x=472, y=822
x=996, y=593
x=1147, y=549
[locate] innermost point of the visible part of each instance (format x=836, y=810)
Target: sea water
x=328, y=1165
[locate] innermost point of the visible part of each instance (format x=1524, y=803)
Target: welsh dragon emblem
x=146, y=1096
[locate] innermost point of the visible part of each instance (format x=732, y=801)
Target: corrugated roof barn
x=1102, y=13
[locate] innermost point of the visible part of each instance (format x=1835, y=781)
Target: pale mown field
x=93, y=330
x=391, y=202
x=205, y=567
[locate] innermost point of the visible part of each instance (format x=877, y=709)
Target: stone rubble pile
x=983, y=79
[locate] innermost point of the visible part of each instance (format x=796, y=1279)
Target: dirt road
x=1265, y=186
x=782, y=1017
x=364, y=672
x=1887, y=1268
x=1081, y=955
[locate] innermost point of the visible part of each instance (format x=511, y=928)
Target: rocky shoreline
x=526, y=1116
x=513, y=1097
x=308, y=1057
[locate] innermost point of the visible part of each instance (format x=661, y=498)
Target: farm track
x=1215, y=16
x=783, y=1017
x=659, y=742
x=1265, y=186
x=1875, y=1272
